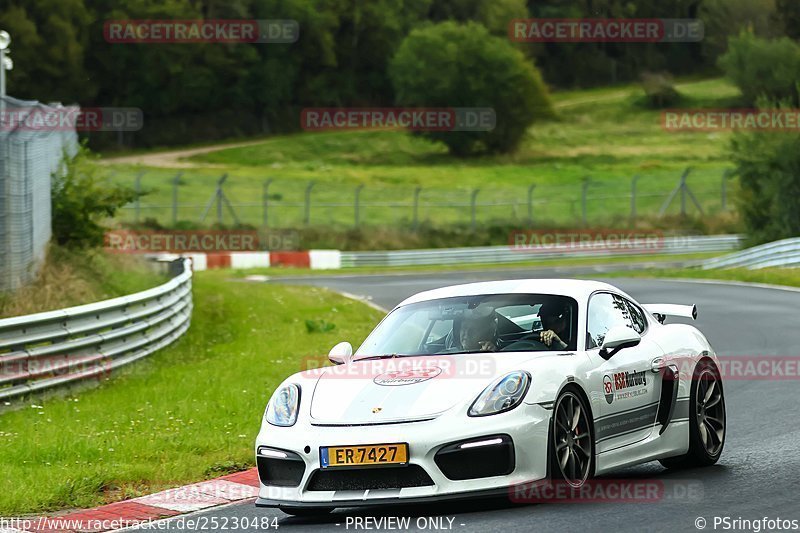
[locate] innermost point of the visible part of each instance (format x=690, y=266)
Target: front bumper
x=527, y=426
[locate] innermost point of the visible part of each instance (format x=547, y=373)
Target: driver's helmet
x=477, y=325
x=554, y=315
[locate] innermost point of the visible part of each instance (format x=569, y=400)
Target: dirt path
x=175, y=158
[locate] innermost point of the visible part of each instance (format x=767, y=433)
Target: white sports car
x=471, y=390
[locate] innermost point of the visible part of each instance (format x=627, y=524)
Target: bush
x=81, y=200
x=659, y=90
x=451, y=65
x=763, y=68
x=768, y=166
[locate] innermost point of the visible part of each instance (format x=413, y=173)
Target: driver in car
x=479, y=333
x=555, y=323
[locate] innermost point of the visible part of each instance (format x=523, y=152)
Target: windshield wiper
x=462, y=352
x=382, y=356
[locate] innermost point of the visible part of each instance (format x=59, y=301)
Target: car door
x=629, y=391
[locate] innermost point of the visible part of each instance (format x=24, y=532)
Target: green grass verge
x=773, y=276
x=75, y=277
x=187, y=413
x=603, y=133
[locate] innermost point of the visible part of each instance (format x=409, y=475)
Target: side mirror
x=341, y=353
x=616, y=339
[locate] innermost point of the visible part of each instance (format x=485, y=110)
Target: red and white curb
x=314, y=259
x=140, y=511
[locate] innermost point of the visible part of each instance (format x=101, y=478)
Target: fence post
x=633, y=200
x=265, y=202
x=417, y=192
x=683, y=194
x=473, y=202
x=175, y=182
x=138, y=188
x=530, y=204
x=357, y=206
x=725, y=177
x=307, y=214
x=584, y=191
x=220, y=198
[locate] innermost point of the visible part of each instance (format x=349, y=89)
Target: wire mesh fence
x=28, y=158
x=201, y=199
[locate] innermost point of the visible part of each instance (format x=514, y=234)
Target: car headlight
x=502, y=395
x=283, y=406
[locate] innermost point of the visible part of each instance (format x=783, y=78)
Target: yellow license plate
x=378, y=454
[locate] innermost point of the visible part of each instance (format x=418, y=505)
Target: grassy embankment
x=189, y=412
x=603, y=133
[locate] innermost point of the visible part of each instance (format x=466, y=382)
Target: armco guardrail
x=508, y=254
x=783, y=253
x=49, y=349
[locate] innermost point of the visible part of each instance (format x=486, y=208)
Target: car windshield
x=476, y=324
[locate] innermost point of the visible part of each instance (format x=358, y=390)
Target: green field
x=604, y=134
x=187, y=413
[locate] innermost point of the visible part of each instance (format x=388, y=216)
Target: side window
x=638, y=320
x=605, y=312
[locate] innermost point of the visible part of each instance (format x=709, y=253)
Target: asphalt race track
x=758, y=475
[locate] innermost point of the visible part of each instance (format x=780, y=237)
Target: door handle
x=658, y=364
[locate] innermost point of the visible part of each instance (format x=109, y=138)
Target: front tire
x=571, y=448
x=707, y=423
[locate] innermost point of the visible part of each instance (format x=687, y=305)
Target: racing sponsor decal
x=626, y=422
x=407, y=377
x=623, y=385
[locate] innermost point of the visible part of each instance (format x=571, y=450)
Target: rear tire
x=306, y=511
x=707, y=422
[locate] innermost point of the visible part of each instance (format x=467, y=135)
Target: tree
x=455, y=66
x=763, y=68
x=768, y=166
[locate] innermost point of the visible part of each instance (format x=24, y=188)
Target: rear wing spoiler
x=662, y=311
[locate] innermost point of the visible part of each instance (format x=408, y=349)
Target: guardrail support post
x=265, y=202
x=417, y=192
x=356, y=206
x=473, y=208
x=138, y=188
x=530, y=204
x=176, y=181
x=307, y=213
x=633, y=200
